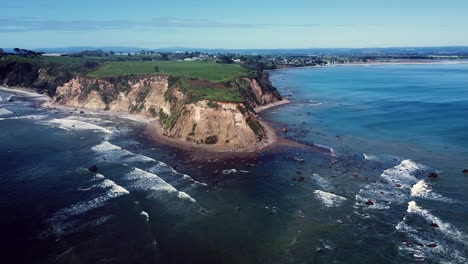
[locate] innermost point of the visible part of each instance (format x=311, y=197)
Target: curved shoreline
x=377, y=63
x=155, y=132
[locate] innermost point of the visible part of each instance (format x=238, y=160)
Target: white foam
x=69, y=227
x=448, y=250
x=402, y=172
x=145, y=215
x=149, y=181
x=72, y=124
x=422, y=190
x=395, y=186
x=114, y=188
x=89, y=119
x=113, y=191
x=162, y=167
x=323, y=183
x=105, y=146
x=112, y=152
x=230, y=171
x=3, y=111
x=370, y=157
x=329, y=199
x=446, y=228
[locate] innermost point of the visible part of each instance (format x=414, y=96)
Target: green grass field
x=220, y=93
x=61, y=59
x=210, y=70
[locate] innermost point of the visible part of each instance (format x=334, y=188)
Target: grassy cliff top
x=210, y=70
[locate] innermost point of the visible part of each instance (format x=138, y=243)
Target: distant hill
x=394, y=51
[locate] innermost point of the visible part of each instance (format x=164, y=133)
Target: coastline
x=261, y=108
x=428, y=62
x=155, y=131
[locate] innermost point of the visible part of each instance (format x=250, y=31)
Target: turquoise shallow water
x=384, y=128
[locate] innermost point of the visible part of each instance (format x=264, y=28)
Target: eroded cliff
x=185, y=108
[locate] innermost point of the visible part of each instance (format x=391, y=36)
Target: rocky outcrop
x=225, y=124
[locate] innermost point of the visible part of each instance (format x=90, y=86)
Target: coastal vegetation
x=204, y=70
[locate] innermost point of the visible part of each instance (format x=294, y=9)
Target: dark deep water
x=388, y=127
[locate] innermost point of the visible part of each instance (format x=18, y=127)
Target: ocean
x=359, y=194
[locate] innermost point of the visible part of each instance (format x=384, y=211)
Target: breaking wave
x=422, y=190
x=230, y=171
x=329, y=199
x=61, y=222
x=142, y=180
x=111, y=152
x=73, y=124
x=447, y=242
x=4, y=111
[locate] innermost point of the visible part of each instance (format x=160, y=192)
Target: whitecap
x=4, y=111
x=145, y=215
x=66, y=228
x=422, y=190
x=112, y=152
x=446, y=228
x=163, y=169
x=112, y=191
x=323, y=183
x=448, y=250
x=370, y=157
x=230, y=171
x=72, y=124
x=143, y=180
x=329, y=199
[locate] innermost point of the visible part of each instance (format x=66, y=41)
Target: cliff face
x=200, y=121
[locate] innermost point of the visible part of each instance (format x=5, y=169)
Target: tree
x=224, y=59
x=156, y=69
x=164, y=56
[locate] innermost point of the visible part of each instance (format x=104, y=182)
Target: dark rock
x=432, y=175
x=11, y=100
x=434, y=225
x=300, y=179
x=465, y=171
x=398, y=185
x=81, y=112
x=369, y=202
x=93, y=168
x=298, y=172
x=294, y=179
x=419, y=244
x=321, y=251
x=432, y=245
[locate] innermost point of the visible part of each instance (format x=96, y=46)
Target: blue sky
x=233, y=24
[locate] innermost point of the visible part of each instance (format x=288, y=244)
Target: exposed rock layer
x=204, y=122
